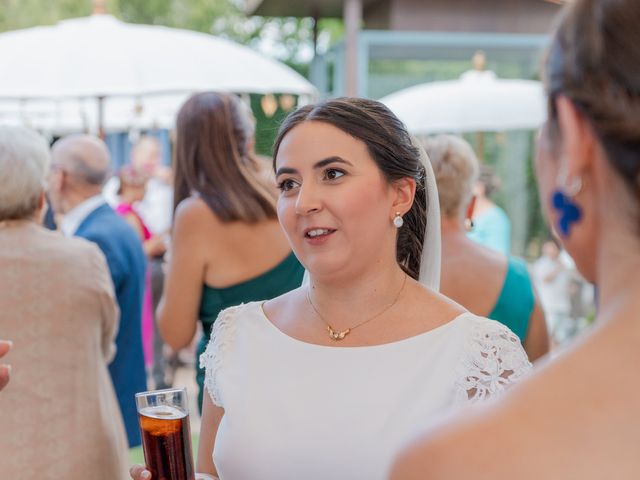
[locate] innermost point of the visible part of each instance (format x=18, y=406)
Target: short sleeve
x=213, y=358
x=493, y=359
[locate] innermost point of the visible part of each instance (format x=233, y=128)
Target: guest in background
x=577, y=416
x=491, y=226
x=482, y=280
x=133, y=185
x=80, y=167
x=156, y=211
x=227, y=245
x=156, y=205
x=552, y=276
x=59, y=418
x=132, y=190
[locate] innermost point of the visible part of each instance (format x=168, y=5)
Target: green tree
x=15, y=14
x=291, y=39
x=288, y=39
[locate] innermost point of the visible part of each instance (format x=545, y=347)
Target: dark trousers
x=162, y=372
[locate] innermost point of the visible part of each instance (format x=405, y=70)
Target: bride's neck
x=360, y=291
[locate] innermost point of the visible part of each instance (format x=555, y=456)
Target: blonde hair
x=24, y=163
x=456, y=169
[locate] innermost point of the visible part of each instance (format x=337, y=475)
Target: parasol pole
x=479, y=62
x=100, y=8
x=101, y=133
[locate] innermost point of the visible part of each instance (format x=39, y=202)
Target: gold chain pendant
x=337, y=335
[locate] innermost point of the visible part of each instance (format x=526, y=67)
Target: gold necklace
x=340, y=335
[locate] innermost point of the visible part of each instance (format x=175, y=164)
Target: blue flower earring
x=569, y=213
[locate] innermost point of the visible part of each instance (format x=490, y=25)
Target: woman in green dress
x=227, y=246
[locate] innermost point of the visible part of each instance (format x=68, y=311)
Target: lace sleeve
x=493, y=359
x=213, y=357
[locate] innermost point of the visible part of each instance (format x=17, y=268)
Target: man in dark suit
x=80, y=167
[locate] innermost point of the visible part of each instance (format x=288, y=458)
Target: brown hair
x=214, y=161
x=390, y=146
x=594, y=61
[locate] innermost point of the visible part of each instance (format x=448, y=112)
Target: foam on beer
x=161, y=419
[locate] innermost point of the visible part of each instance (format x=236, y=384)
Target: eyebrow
x=319, y=164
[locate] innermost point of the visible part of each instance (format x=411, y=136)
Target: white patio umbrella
x=477, y=102
x=68, y=115
x=100, y=57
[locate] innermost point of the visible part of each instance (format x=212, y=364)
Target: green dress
x=285, y=276
x=516, y=301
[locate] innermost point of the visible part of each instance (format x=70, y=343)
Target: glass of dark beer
x=164, y=423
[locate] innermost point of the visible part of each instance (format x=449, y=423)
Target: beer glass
x=164, y=423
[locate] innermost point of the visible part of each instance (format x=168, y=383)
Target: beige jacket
x=59, y=417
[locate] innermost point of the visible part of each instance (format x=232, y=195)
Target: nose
x=308, y=200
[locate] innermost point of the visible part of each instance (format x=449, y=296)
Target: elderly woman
x=484, y=281
x=59, y=415
x=578, y=417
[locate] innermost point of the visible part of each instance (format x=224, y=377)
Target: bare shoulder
x=478, y=437
x=193, y=214
x=556, y=416
x=495, y=438
x=193, y=209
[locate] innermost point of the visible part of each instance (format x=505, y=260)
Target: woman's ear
x=578, y=138
x=404, y=190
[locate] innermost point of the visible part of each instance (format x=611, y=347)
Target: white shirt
x=74, y=217
x=295, y=410
x=554, y=292
x=110, y=191
x=156, y=208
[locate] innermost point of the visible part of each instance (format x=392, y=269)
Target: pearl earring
x=468, y=224
x=398, y=221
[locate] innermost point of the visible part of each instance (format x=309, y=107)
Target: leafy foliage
x=287, y=39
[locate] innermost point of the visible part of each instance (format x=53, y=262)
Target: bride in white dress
x=332, y=379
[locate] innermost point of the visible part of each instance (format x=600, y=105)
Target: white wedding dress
x=298, y=411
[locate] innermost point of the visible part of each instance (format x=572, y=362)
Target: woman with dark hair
x=577, y=417
x=227, y=246
x=329, y=380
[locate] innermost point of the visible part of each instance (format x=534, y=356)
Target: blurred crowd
x=331, y=302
